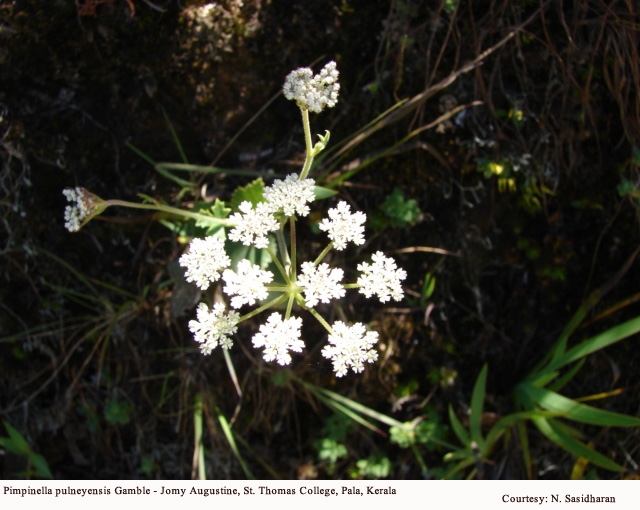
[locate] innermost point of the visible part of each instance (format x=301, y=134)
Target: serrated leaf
x=216, y=210
x=252, y=192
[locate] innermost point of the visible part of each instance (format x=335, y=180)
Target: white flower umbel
x=343, y=226
x=246, y=285
x=214, y=327
x=350, y=347
x=382, y=278
x=253, y=225
x=278, y=337
x=83, y=206
x=320, y=283
x=290, y=196
x=204, y=260
x=313, y=92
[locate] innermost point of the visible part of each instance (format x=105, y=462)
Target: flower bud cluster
x=311, y=92
x=83, y=206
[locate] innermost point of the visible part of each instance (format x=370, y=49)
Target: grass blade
x=596, y=343
x=579, y=412
x=555, y=434
x=477, y=403
x=458, y=429
x=234, y=447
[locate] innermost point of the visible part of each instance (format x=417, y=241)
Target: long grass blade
x=198, y=454
x=596, y=343
x=579, y=412
x=226, y=429
x=383, y=418
x=555, y=434
x=477, y=404
x=458, y=429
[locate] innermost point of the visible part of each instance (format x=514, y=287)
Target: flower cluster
x=83, y=206
x=381, y=278
x=247, y=285
x=290, y=196
x=313, y=92
x=253, y=225
x=214, y=327
x=204, y=260
x=343, y=226
x=320, y=283
x=278, y=337
x=350, y=346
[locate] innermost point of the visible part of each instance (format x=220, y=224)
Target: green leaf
x=330, y=450
x=428, y=286
x=40, y=465
x=252, y=192
x=458, y=429
x=578, y=412
x=595, y=343
x=555, y=433
x=477, y=404
x=18, y=443
x=118, y=412
x=321, y=193
x=216, y=210
x=226, y=429
x=400, y=212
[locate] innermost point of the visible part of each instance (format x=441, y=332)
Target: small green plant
x=118, y=412
x=539, y=391
x=541, y=403
x=397, y=212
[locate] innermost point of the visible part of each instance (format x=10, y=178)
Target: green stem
x=321, y=320
x=352, y=285
x=278, y=288
x=308, y=142
x=271, y=303
x=170, y=210
x=322, y=255
x=282, y=248
x=278, y=265
x=289, y=305
x=292, y=231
